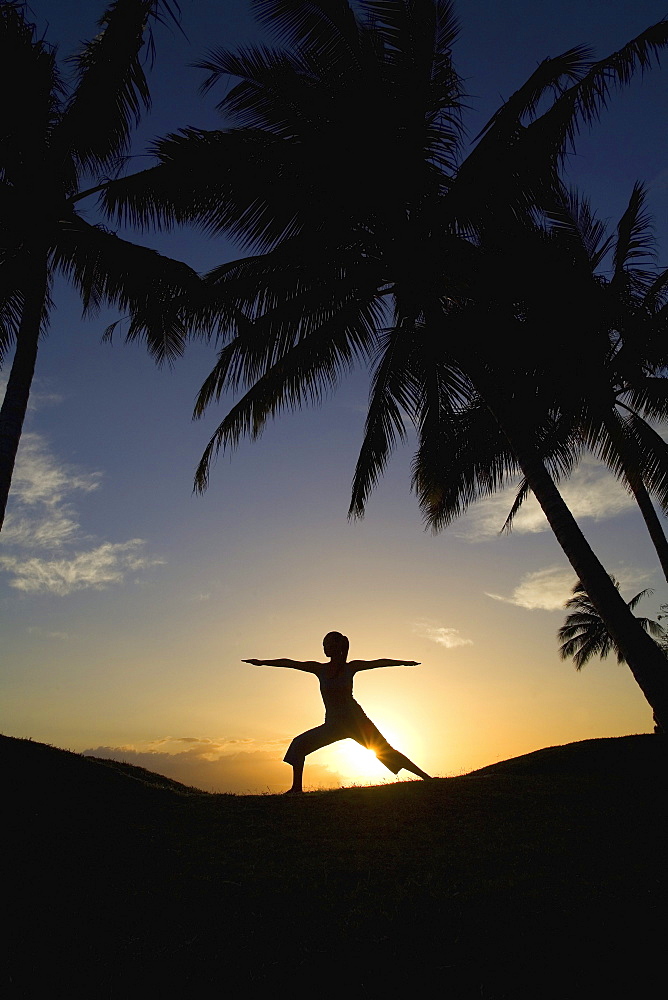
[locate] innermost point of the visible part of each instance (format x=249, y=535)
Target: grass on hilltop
x=540, y=877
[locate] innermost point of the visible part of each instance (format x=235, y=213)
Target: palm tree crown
x=584, y=635
x=343, y=169
x=604, y=407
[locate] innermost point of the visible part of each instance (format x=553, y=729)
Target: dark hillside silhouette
x=640, y=756
x=542, y=876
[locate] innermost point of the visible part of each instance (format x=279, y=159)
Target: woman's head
x=336, y=644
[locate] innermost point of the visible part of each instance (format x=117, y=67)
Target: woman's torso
x=336, y=688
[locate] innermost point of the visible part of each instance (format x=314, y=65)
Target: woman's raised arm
x=370, y=664
x=308, y=665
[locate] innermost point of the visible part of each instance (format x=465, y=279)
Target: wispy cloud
x=96, y=568
x=39, y=479
x=591, y=492
x=42, y=518
x=548, y=589
x=441, y=634
x=37, y=630
x=40, y=393
x=51, y=531
x=545, y=589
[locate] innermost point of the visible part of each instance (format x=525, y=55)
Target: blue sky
x=127, y=602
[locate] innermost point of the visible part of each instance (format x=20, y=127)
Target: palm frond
x=424, y=91
x=551, y=76
x=111, y=88
x=584, y=634
x=302, y=374
x=578, y=229
x=12, y=299
x=263, y=342
x=327, y=29
x=650, y=457
x=27, y=68
x=186, y=186
x=276, y=93
x=286, y=295
x=584, y=645
x=584, y=101
x=657, y=292
x=247, y=184
x=633, y=603
x=11, y=309
x=635, y=239
x=523, y=492
x=526, y=147
x=390, y=399
x=646, y=396
x=467, y=460
x=513, y=169
x=157, y=292
x=657, y=631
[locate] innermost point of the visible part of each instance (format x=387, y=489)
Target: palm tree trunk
x=15, y=403
x=652, y=521
x=644, y=657
x=636, y=485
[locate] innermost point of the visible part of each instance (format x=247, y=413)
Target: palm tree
x=584, y=635
x=53, y=141
x=542, y=425
x=377, y=241
x=603, y=409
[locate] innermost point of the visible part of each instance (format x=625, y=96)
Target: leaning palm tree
x=377, y=240
x=55, y=144
x=605, y=410
x=530, y=416
x=584, y=635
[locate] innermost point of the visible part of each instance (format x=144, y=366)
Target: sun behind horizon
x=358, y=765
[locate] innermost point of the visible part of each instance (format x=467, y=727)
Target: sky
x=127, y=602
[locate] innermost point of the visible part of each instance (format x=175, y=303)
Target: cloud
x=549, y=589
x=41, y=517
x=49, y=532
x=39, y=479
x=444, y=636
x=219, y=765
x=545, y=589
x=97, y=568
x=590, y=492
x=37, y=630
x=40, y=394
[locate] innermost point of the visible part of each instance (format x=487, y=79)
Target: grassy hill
x=543, y=877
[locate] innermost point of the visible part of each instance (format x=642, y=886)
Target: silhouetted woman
x=343, y=716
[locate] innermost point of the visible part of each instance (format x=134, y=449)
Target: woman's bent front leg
x=302, y=746
x=297, y=772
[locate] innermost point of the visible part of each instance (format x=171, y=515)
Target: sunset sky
x=128, y=603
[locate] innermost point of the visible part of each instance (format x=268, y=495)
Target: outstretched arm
x=308, y=665
x=370, y=664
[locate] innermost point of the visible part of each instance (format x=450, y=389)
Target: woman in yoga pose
x=343, y=716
